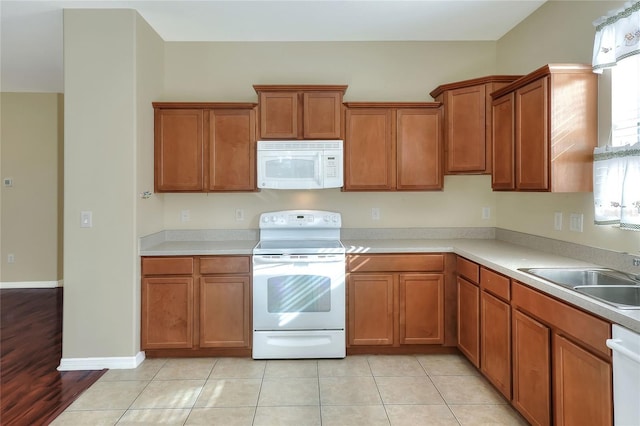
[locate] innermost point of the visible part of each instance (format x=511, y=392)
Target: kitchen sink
x=571, y=277
x=622, y=297
x=607, y=285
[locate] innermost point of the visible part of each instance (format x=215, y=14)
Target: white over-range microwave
x=300, y=164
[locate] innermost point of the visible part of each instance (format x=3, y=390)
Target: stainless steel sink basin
x=571, y=277
x=607, y=285
x=622, y=297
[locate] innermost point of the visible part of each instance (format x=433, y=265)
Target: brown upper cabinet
x=545, y=130
x=300, y=112
x=393, y=146
x=467, y=122
x=204, y=147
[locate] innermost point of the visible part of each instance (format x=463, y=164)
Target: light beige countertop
x=503, y=257
x=200, y=248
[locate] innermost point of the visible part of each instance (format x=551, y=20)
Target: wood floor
x=32, y=391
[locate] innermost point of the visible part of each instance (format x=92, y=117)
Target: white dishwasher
x=625, y=345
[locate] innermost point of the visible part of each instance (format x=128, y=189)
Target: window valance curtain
x=617, y=36
x=616, y=186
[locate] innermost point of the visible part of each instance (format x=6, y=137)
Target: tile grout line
x=446, y=403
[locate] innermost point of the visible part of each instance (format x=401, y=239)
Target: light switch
x=575, y=222
x=557, y=221
x=86, y=219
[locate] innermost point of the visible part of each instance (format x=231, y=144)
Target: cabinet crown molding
x=299, y=88
x=392, y=104
x=203, y=105
x=473, y=82
x=543, y=71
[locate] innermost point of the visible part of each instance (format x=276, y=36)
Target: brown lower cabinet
x=545, y=356
x=484, y=322
x=196, y=305
x=531, y=369
x=395, y=300
x=561, y=365
x=495, y=330
x=469, y=309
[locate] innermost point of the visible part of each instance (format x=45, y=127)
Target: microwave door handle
x=320, y=170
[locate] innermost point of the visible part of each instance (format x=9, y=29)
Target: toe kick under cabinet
x=196, y=305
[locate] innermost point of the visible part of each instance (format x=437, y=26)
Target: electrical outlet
x=557, y=221
x=239, y=215
x=636, y=261
x=185, y=215
x=375, y=213
x=575, y=222
x=11, y=258
x=86, y=219
x=8, y=182
x=486, y=212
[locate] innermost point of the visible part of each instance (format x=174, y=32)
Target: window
x=616, y=166
x=625, y=102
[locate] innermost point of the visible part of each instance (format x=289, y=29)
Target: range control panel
x=300, y=219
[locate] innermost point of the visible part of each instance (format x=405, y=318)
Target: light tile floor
x=358, y=390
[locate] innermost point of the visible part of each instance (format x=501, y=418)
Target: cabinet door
x=370, y=156
x=167, y=313
x=179, y=150
x=224, y=311
x=495, y=342
x=465, y=130
x=421, y=308
x=531, y=369
x=503, y=174
x=532, y=136
x=321, y=115
x=232, y=150
x=469, y=320
x=371, y=302
x=418, y=145
x=582, y=386
x=278, y=115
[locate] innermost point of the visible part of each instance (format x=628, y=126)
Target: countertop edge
x=503, y=257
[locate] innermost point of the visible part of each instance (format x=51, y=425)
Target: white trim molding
x=111, y=363
x=30, y=284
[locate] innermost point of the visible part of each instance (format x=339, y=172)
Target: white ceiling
x=31, y=31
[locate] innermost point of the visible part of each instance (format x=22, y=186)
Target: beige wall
x=374, y=71
x=105, y=97
x=559, y=31
x=30, y=143
x=460, y=205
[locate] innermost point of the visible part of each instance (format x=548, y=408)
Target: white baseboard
x=112, y=363
x=30, y=284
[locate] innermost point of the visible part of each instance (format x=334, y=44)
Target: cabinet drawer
x=225, y=265
x=167, y=265
x=584, y=327
x=495, y=283
x=468, y=269
x=395, y=263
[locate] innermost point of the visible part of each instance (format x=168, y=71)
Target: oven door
x=299, y=292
